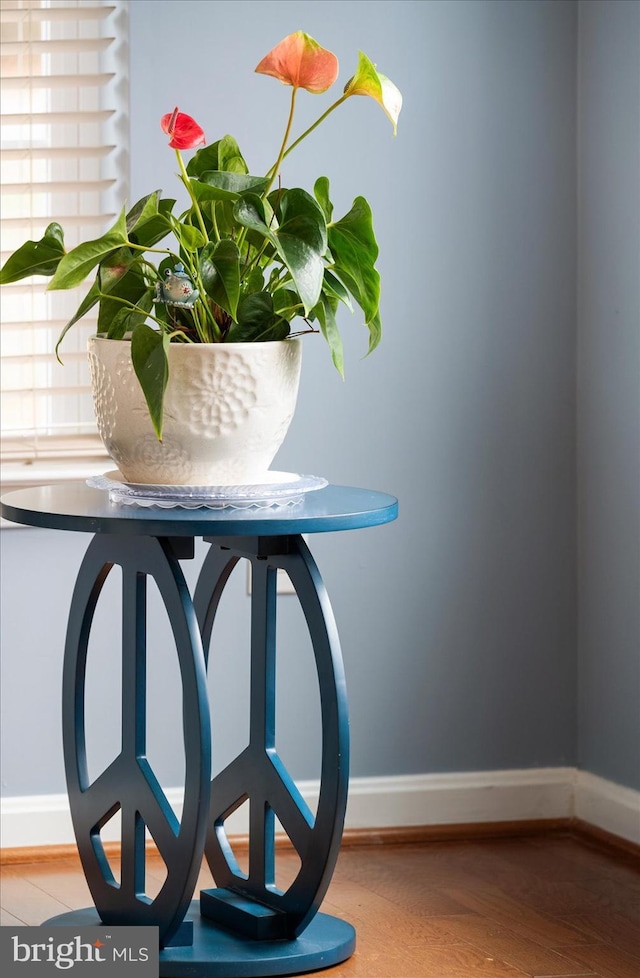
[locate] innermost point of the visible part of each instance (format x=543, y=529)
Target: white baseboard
x=609, y=806
x=395, y=802
x=453, y=799
x=35, y=820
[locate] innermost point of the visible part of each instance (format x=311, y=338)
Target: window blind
x=62, y=116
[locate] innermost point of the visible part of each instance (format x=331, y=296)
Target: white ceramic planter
x=227, y=409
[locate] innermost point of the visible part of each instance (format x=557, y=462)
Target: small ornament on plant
x=177, y=288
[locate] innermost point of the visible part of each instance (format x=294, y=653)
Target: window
x=62, y=125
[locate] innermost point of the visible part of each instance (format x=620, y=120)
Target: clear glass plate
x=278, y=489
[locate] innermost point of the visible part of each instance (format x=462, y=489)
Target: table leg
x=128, y=784
x=250, y=904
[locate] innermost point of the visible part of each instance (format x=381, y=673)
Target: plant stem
x=155, y=251
x=187, y=183
x=201, y=305
x=198, y=325
x=133, y=306
x=249, y=265
x=272, y=172
x=214, y=221
x=281, y=155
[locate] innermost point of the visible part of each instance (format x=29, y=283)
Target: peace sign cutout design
x=251, y=903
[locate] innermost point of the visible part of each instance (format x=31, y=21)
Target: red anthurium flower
x=300, y=61
x=184, y=131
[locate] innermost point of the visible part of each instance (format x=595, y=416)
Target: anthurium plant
x=248, y=256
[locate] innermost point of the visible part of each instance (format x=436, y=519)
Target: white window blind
x=63, y=119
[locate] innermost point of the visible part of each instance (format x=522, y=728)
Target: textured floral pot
x=227, y=409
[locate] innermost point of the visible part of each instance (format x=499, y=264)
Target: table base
x=218, y=953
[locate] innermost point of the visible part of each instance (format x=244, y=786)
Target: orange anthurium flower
x=368, y=81
x=184, y=131
x=300, y=61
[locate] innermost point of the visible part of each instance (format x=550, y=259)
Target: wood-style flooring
x=553, y=905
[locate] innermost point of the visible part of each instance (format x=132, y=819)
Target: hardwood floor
x=553, y=905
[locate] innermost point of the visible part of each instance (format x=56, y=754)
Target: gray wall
x=609, y=391
x=458, y=622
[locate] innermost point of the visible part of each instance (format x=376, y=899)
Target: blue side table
x=244, y=926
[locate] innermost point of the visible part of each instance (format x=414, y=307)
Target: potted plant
x=201, y=333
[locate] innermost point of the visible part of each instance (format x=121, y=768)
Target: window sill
x=20, y=475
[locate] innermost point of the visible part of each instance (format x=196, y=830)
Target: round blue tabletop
x=75, y=506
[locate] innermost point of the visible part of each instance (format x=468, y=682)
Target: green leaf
x=143, y=210
x=251, y=212
x=220, y=274
x=326, y=317
x=148, y=221
x=77, y=263
x=90, y=299
x=112, y=268
x=149, y=357
x=111, y=271
x=302, y=217
x=119, y=325
x=306, y=267
x=321, y=192
x=334, y=287
x=132, y=287
x=287, y=303
x=258, y=218
x=218, y=185
x=375, y=332
x=190, y=237
x=279, y=330
x=229, y=156
x=223, y=210
x=300, y=240
x=354, y=248
x=254, y=281
x=35, y=257
x=204, y=159
x=257, y=321
x=221, y=155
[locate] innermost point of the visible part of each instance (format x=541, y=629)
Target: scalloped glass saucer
x=278, y=489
